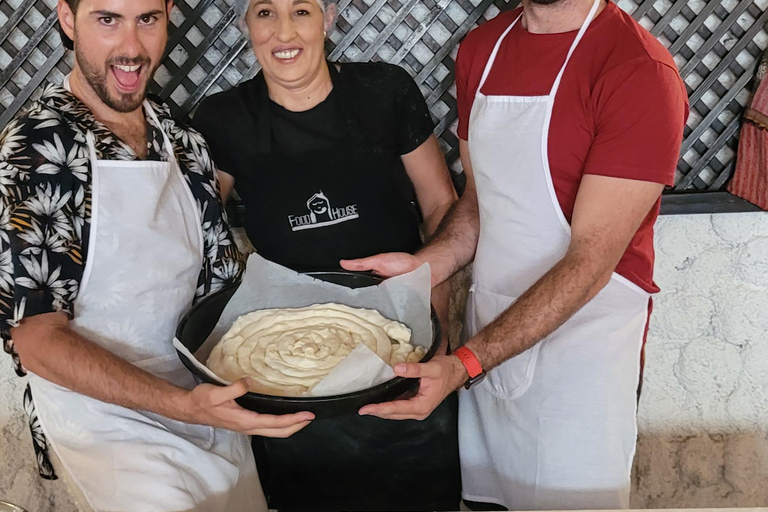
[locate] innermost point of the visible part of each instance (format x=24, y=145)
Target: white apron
x=145, y=253
x=553, y=428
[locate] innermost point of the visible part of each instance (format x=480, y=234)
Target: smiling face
x=318, y=206
x=288, y=38
x=118, y=46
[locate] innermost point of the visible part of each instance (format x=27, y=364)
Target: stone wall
x=19, y=482
x=704, y=409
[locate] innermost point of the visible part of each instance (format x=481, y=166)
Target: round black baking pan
x=195, y=327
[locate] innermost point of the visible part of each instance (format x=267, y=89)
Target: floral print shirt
x=45, y=210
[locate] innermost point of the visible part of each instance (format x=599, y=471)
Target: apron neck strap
x=579, y=37
x=492, y=58
x=576, y=41
x=90, y=139
x=257, y=101
x=148, y=111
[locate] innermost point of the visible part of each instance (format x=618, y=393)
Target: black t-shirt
x=316, y=129
x=330, y=184
x=326, y=183
x=399, y=119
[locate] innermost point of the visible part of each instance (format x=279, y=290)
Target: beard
x=97, y=80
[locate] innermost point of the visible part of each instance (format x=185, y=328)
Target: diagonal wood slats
x=716, y=45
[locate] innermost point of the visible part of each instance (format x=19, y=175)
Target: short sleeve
x=464, y=94
x=223, y=264
x=473, y=54
x=42, y=218
x=415, y=121
x=209, y=121
x=640, y=113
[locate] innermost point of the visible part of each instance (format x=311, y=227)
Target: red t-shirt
x=620, y=110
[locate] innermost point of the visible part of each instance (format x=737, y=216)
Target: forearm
x=455, y=240
x=547, y=305
x=441, y=296
x=59, y=355
x=436, y=204
x=226, y=184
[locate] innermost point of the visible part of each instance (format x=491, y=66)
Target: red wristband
x=470, y=361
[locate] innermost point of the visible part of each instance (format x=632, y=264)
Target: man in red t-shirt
x=571, y=117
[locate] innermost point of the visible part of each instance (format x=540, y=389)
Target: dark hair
x=65, y=40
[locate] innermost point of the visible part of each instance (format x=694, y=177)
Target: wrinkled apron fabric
x=554, y=427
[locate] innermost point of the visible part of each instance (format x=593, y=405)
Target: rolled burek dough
x=286, y=352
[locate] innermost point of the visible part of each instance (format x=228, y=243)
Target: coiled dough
x=288, y=351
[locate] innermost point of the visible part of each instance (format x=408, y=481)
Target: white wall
x=704, y=410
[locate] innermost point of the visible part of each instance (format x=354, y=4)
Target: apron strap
x=166, y=140
x=579, y=37
x=356, y=123
x=495, y=51
x=257, y=101
x=576, y=42
x=91, y=140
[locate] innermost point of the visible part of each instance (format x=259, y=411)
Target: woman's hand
x=215, y=406
x=389, y=264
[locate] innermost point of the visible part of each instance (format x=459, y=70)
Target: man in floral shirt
x=100, y=186
x=45, y=208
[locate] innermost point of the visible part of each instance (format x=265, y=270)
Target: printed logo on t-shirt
x=322, y=214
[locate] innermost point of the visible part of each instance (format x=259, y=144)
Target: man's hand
x=44, y=341
x=439, y=378
x=215, y=406
x=389, y=264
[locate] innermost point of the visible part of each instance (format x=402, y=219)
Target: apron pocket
x=513, y=377
x=169, y=367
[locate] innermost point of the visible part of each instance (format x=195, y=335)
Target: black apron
x=308, y=212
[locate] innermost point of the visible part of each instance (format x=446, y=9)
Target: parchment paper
x=268, y=285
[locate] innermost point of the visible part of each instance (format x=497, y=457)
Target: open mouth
x=128, y=78
x=287, y=55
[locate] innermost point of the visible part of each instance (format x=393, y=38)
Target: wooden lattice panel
x=716, y=46
x=421, y=36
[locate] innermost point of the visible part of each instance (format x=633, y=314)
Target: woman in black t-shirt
x=336, y=161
